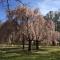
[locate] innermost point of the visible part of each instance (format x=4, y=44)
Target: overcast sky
x=44, y=5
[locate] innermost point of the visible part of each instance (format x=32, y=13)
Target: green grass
x=45, y=53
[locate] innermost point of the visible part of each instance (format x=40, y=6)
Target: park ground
x=16, y=53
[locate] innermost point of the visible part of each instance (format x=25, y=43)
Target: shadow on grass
x=19, y=54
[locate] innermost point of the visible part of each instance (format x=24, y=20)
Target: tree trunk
x=53, y=43
x=29, y=47
x=23, y=43
x=37, y=45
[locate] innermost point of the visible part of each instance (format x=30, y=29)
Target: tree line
x=26, y=25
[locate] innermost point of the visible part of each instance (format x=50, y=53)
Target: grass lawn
x=45, y=53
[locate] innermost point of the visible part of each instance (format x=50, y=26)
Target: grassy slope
x=45, y=53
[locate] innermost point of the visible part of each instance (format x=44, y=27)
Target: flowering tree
x=29, y=25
